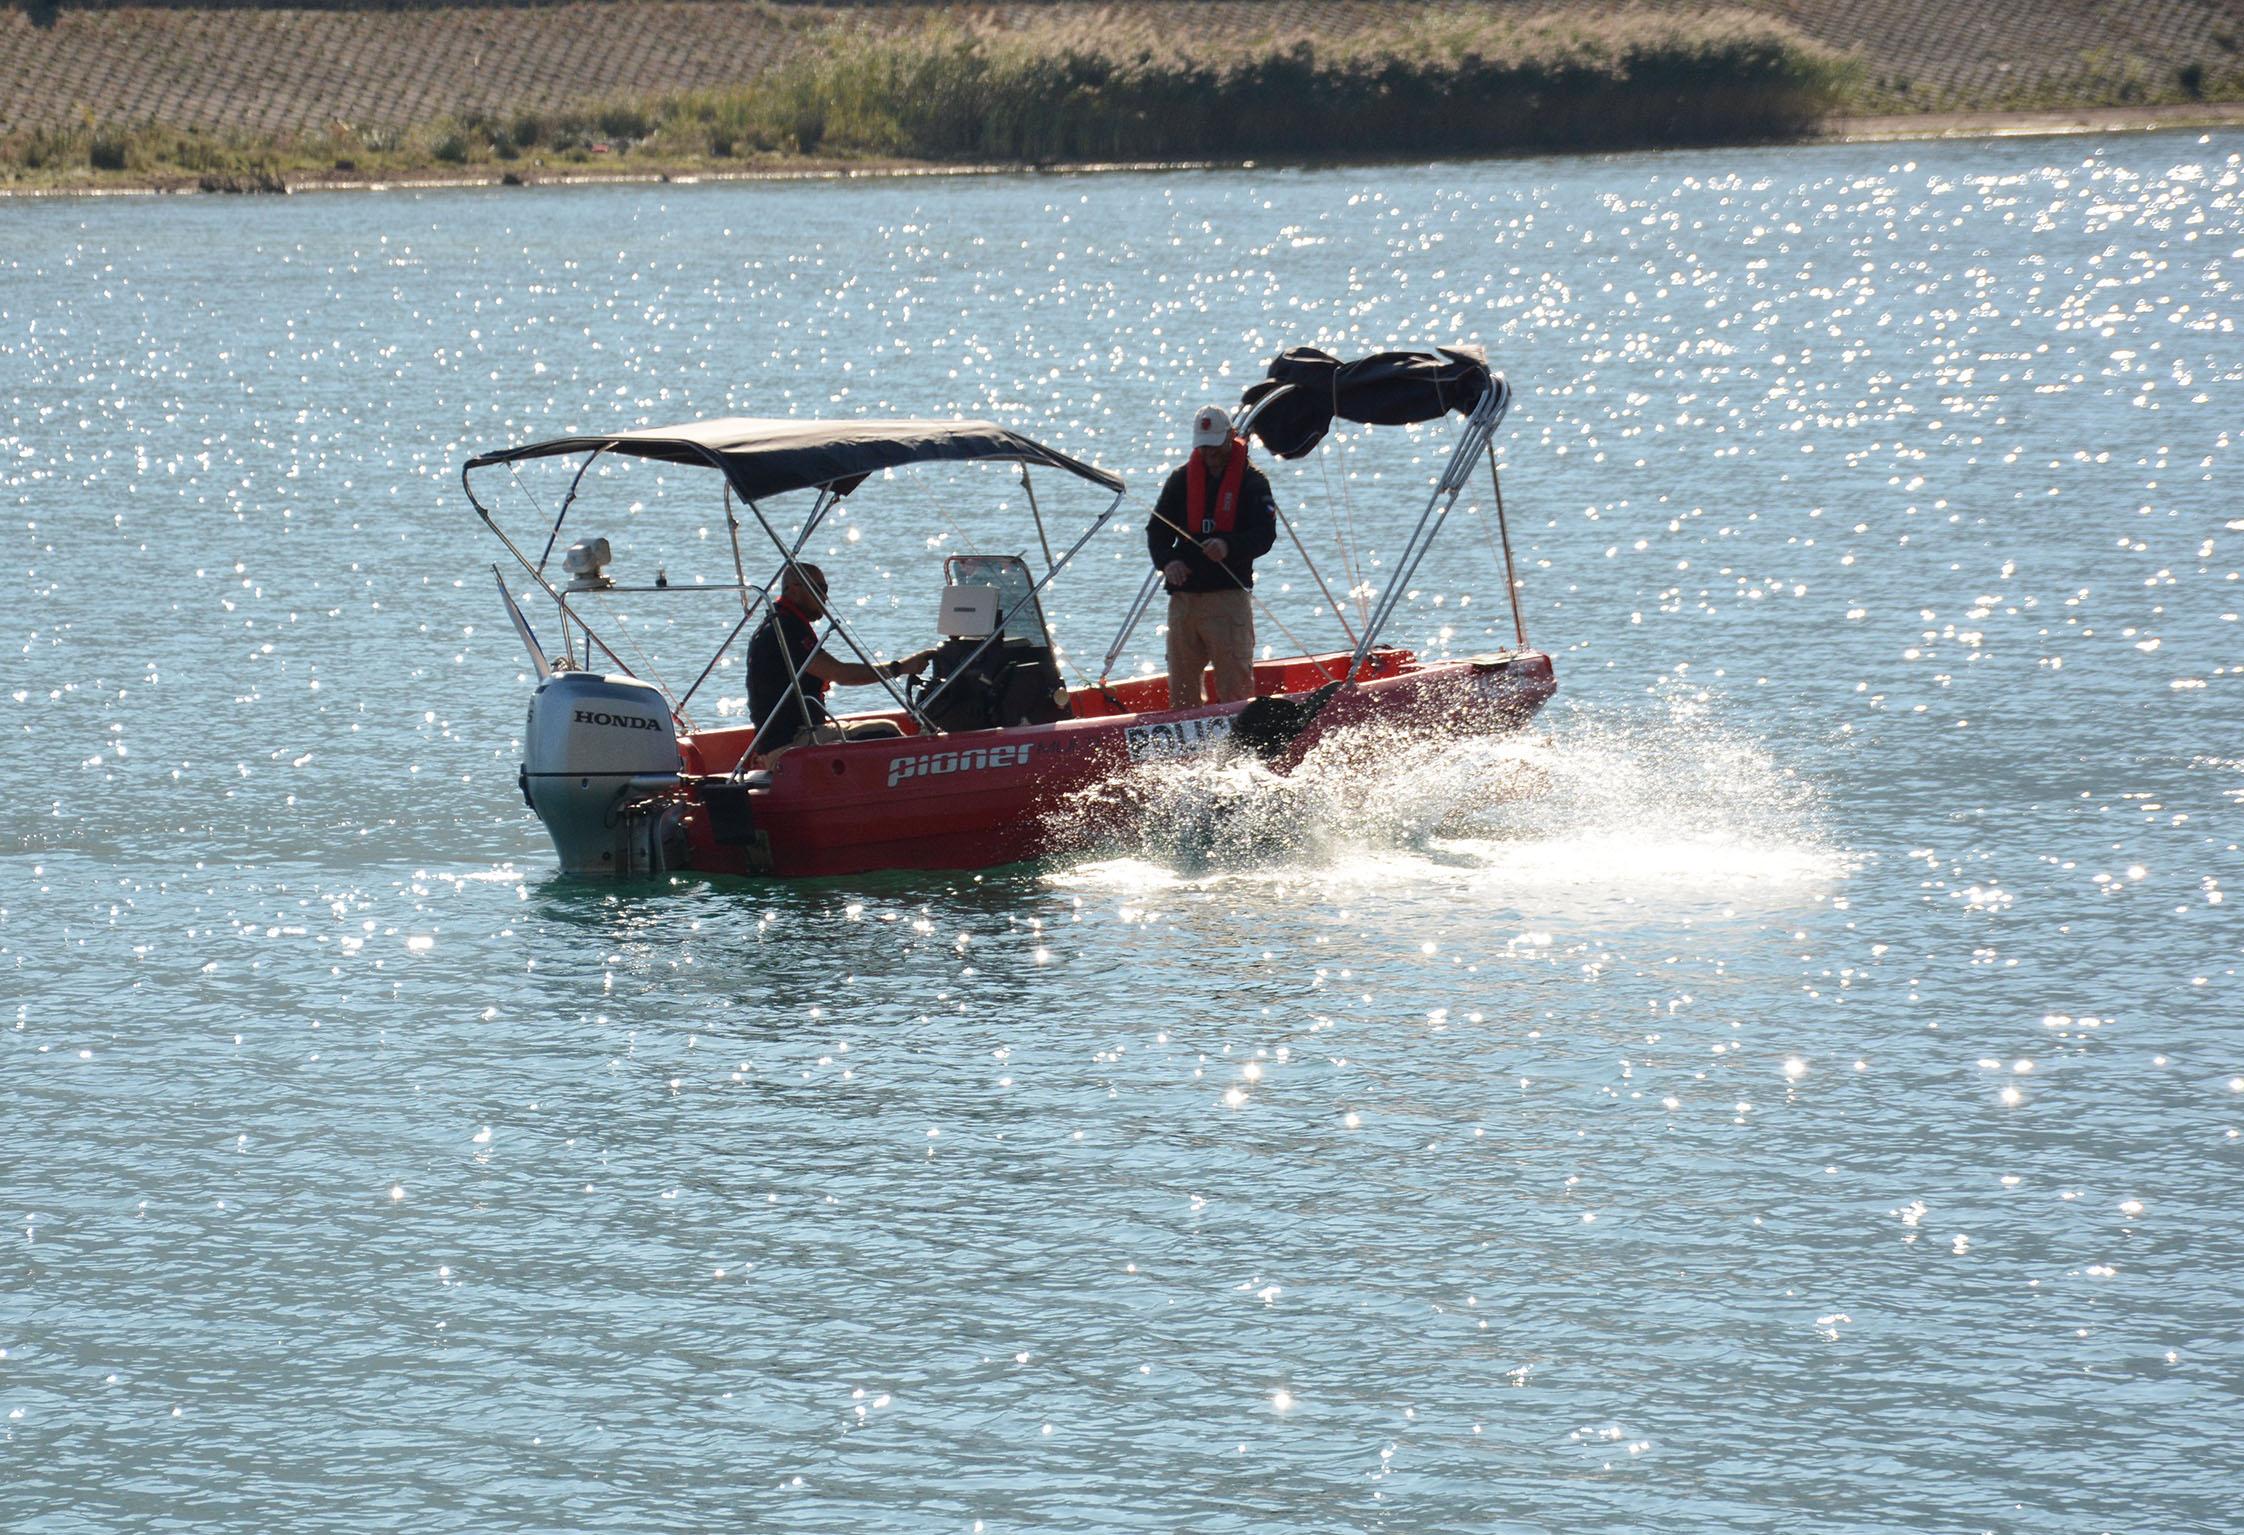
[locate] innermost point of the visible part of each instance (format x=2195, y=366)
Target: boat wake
x=1583, y=813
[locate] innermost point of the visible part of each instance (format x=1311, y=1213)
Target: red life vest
x=1200, y=520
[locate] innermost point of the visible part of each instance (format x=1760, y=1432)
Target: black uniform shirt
x=783, y=642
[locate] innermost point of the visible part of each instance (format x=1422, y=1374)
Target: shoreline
x=576, y=176
x=2044, y=122
x=1929, y=126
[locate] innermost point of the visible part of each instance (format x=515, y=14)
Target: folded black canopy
x=767, y=457
x=1384, y=389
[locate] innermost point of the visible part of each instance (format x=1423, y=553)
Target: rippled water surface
x=1796, y=1086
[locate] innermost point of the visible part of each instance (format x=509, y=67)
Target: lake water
x=1797, y=1086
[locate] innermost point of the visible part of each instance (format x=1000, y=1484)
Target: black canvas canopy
x=764, y=456
x=1384, y=389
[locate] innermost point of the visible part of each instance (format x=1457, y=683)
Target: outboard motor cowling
x=600, y=759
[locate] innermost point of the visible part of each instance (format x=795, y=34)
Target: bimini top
x=1384, y=389
x=768, y=456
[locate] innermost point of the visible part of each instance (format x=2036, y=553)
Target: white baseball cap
x=1211, y=426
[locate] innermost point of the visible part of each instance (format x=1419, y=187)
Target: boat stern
x=600, y=769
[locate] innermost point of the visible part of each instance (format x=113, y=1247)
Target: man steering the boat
x=787, y=715
x=1215, y=517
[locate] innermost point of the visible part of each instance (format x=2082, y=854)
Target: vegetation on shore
x=1435, y=83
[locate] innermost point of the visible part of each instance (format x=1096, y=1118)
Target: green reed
x=1434, y=83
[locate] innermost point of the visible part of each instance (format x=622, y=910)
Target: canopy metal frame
x=1144, y=599
x=1472, y=445
x=753, y=598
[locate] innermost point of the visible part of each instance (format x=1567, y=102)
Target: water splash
x=1588, y=810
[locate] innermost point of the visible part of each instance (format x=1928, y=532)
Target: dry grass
x=1070, y=87
x=249, y=91
x=2015, y=55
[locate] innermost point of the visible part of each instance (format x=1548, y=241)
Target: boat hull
x=981, y=798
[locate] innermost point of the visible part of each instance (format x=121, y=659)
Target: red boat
x=995, y=760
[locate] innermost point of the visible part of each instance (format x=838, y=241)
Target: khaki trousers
x=1205, y=628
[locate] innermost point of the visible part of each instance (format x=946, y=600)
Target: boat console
x=995, y=666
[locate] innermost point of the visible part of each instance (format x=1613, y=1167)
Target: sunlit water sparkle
x=1793, y=1085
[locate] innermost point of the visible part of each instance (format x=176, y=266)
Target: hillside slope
x=266, y=70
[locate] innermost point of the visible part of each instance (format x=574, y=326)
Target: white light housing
x=969, y=612
x=584, y=562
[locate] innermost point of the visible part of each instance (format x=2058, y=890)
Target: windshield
x=1010, y=575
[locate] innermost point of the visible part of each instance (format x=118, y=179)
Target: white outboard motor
x=600, y=757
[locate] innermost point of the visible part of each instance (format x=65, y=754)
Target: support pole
x=567, y=501
x=1038, y=517
x=1480, y=427
x=837, y=627
x=1511, y=577
x=1337, y=611
x=1129, y=625
x=1017, y=608
x=739, y=566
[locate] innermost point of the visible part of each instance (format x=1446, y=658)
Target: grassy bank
x=1435, y=83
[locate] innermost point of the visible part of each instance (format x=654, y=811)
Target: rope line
x=1291, y=637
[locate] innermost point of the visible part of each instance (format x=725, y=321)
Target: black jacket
x=1254, y=530
x=782, y=643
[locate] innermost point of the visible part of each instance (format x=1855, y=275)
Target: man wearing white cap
x=1214, y=519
